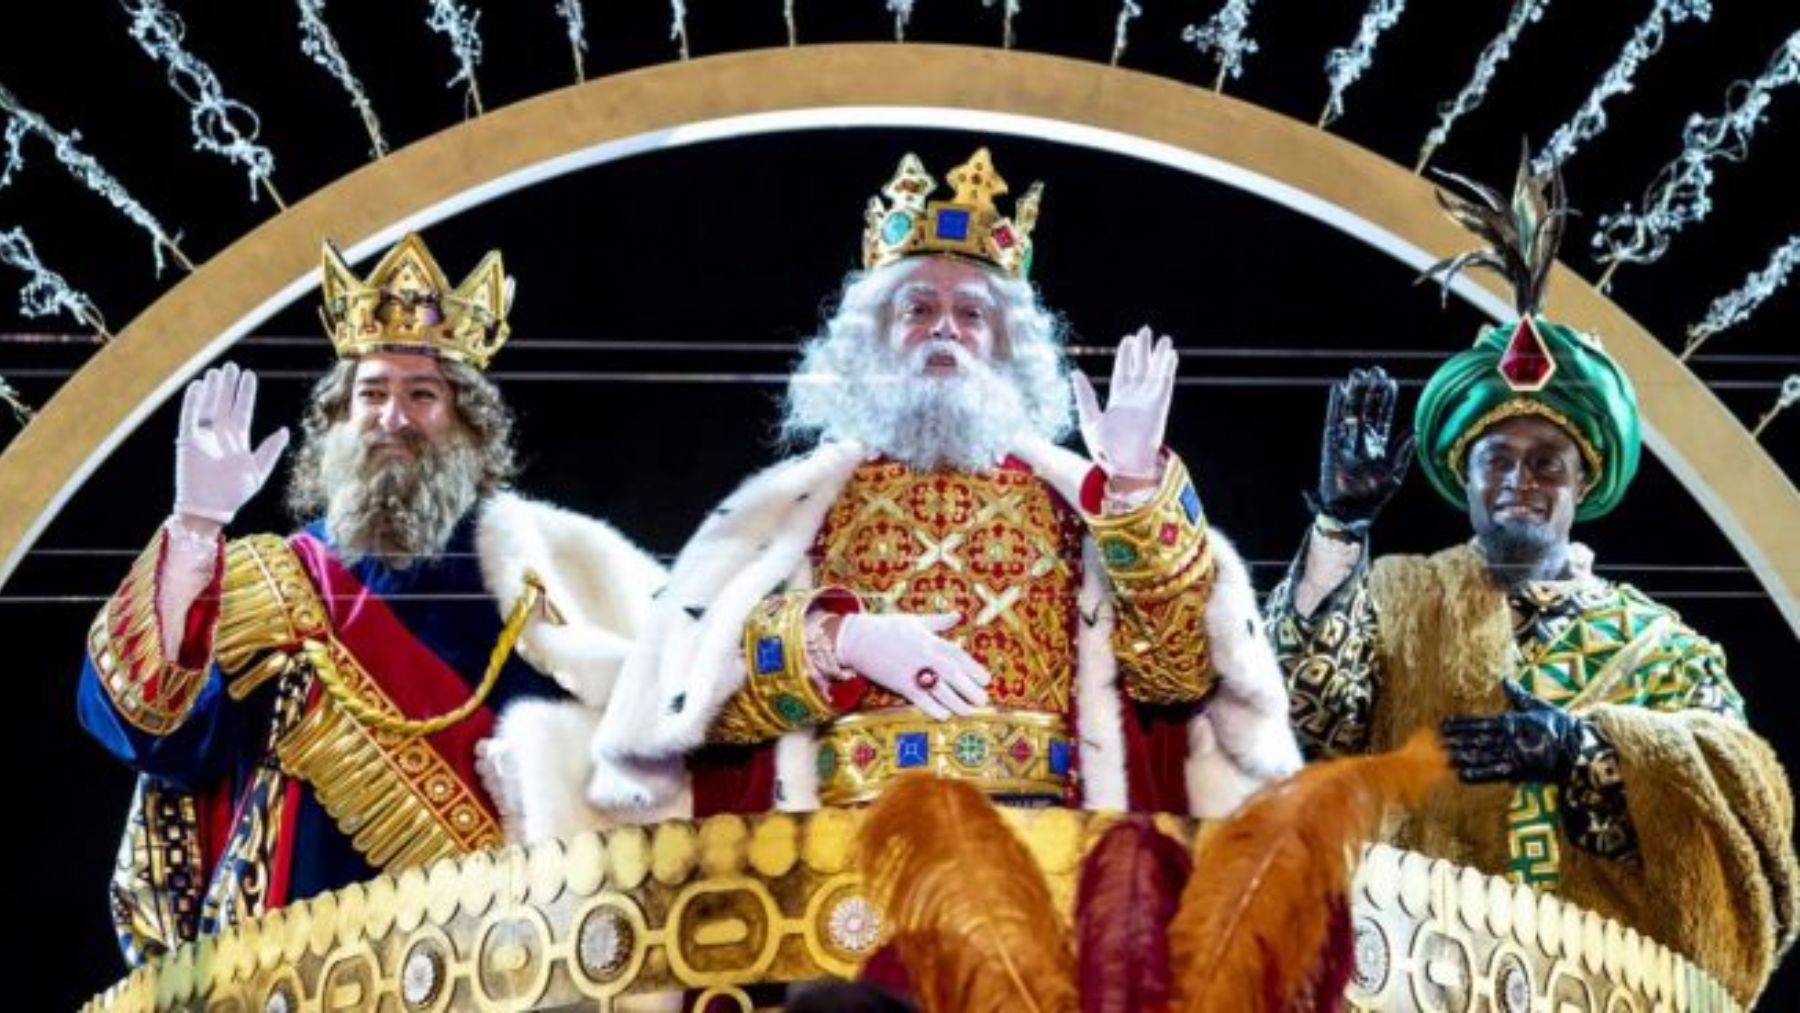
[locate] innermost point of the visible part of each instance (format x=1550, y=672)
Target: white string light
x=903, y=11
x=45, y=293
x=575, y=20
x=1790, y=395
x=319, y=44
x=1008, y=8
x=221, y=125
x=1496, y=52
x=1128, y=11
x=1344, y=66
x=1734, y=307
x=1590, y=119
x=678, y=24
x=1678, y=195
x=1223, y=35
x=449, y=19
x=83, y=167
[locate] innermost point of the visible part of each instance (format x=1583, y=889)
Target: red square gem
x=1021, y=750
x=1003, y=238
x=1168, y=534
x=863, y=754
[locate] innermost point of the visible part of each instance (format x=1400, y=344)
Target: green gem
x=791, y=709
x=827, y=762
x=1118, y=552
x=971, y=749
x=896, y=227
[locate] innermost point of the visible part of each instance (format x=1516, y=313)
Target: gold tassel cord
x=370, y=715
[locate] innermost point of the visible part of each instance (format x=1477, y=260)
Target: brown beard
x=396, y=508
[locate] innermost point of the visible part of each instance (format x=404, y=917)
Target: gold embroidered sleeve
x=1329, y=660
x=1161, y=569
x=151, y=691
x=779, y=694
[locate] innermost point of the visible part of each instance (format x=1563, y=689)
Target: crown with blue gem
x=967, y=225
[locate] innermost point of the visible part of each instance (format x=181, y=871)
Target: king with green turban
x=1576, y=710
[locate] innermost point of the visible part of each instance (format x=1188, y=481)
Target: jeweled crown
x=966, y=225
x=406, y=304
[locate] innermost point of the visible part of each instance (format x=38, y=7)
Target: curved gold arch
x=1007, y=92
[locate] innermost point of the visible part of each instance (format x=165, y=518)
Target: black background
x=660, y=297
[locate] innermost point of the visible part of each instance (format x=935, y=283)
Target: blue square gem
x=910, y=750
x=1059, y=757
x=1190, y=503
x=952, y=224
x=768, y=655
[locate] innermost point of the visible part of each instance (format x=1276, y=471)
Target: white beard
x=397, y=509
x=886, y=402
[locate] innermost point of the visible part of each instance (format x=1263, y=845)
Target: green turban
x=1585, y=392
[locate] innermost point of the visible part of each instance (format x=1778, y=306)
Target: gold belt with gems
x=1018, y=753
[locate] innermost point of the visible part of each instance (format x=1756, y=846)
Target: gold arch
x=1003, y=91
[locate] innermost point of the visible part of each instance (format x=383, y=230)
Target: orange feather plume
x=969, y=913
x=1263, y=923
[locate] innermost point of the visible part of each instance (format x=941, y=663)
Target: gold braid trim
x=150, y=691
x=779, y=694
x=374, y=715
x=1515, y=408
x=392, y=794
x=1161, y=566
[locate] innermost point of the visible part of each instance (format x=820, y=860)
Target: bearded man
x=936, y=585
x=306, y=712
x=1601, y=744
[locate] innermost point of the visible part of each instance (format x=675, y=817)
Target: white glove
x=215, y=470
x=1126, y=439
x=904, y=654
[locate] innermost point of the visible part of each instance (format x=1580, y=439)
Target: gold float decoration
x=721, y=904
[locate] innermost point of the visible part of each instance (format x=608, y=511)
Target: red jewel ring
x=925, y=678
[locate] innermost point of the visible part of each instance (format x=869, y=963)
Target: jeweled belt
x=1024, y=754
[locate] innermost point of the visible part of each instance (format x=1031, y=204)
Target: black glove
x=1360, y=469
x=1537, y=742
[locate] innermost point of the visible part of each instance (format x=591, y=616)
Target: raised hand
x=216, y=472
x=904, y=654
x=1537, y=742
x=1360, y=465
x=1126, y=439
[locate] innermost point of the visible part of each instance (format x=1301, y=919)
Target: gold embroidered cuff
x=151, y=692
x=1158, y=550
x=1014, y=753
x=779, y=694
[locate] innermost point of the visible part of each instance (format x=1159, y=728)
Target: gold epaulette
x=267, y=608
x=150, y=691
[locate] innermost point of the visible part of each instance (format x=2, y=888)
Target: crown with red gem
x=909, y=224
x=406, y=304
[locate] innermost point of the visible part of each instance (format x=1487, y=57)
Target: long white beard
x=398, y=509
x=968, y=421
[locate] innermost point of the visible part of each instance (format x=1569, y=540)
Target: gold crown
x=967, y=225
x=407, y=304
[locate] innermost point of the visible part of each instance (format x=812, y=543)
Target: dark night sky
x=740, y=241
